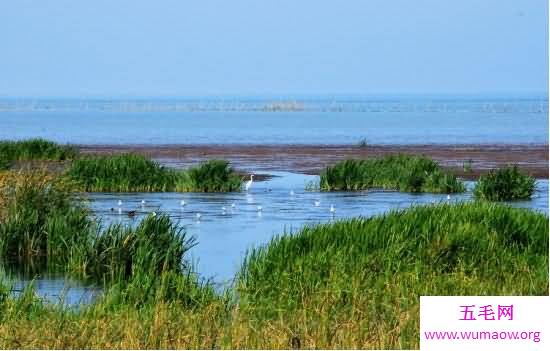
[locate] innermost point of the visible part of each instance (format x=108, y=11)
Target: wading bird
x=119, y=203
x=332, y=209
x=198, y=215
x=259, y=208
x=249, y=183
x=182, y=203
x=142, y=202
x=317, y=203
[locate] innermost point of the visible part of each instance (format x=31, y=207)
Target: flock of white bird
x=247, y=187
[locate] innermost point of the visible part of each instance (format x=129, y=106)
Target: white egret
x=317, y=203
x=119, y=203
x=249, y=183
x=223, y=209
x=233, y=205
x=259, y=208
x=154, y=214
x=448, y=197
x=142, y=202
x=332, y=209
x=182, y=203
x=198, y=215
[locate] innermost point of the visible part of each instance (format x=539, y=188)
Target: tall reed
x=131, y=172
x=34, y=149
x=505, y=184
x=395, y=172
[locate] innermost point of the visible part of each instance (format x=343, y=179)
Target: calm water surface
x=224, y=236
x=258, y=122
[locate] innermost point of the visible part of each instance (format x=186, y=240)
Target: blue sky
x=191, y=48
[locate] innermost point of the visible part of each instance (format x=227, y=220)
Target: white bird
x=182, y=203
x=448, y=197
x=198, y=215
x=249, y=183
x=142, y=202
x=154, y=214
x=233, y=205
x=259, y=208
x=332, y=209
x=317, y=203
x=292, y=193
x=119, y=203
x=223, y=209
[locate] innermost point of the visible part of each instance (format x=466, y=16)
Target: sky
x=164, y=48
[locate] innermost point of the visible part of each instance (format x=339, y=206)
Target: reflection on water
x=231, y=223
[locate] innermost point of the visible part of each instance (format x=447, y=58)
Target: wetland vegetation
x=34, y=149
x=353, y=283
x=396, y=172
x=132, y=172
x=505, y=184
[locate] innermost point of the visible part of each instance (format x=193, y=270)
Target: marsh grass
x=368, y=274
x=396, y=172
x=350, y=284
x=40, y=218
x=505, y=184
x=132, y=172
x=34, y=149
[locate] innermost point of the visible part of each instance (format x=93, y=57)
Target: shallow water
x=224, y=236
x=320, y=121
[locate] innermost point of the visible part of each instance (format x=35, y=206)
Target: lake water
x=265, y=121
x=225, y=236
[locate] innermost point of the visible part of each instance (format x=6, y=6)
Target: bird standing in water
x=249, y=183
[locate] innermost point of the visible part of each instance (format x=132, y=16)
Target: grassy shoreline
x=354, y=283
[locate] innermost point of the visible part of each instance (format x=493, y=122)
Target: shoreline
x=311, y=159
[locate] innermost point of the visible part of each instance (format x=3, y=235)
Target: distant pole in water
x=249, y=183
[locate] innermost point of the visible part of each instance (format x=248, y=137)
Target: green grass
x=368, y=274
x=40, y=218
x=349, y=284
x=505, y=184
x=396, y=172
x=131, y=172
x=34, y=149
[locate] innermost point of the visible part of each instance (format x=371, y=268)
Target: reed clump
x=34, y=149
x=396, y=172
x=40, y=218
x=349, y=284
x=368, y=274
x=132, y=172
x=505, y=184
